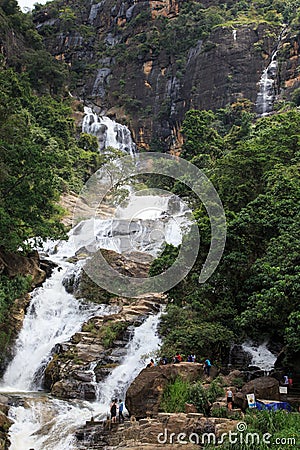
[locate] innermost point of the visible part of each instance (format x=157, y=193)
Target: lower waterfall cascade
x=261, y=356
x=60, y=419
x=42, y=422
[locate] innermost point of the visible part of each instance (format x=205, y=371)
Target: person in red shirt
x=177, y=358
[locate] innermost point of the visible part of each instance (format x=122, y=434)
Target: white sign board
x=251, y=400
x=282, y=389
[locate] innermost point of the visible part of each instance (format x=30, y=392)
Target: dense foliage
x=10, y=289
x=253, y=165
x=255, y=290
x=39, y=159
x=40, y=155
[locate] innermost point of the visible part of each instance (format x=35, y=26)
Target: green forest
x=254, y=292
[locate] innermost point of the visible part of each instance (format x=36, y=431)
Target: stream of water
x=46, y=423
x=143, y=223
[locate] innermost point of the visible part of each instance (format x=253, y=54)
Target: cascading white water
x=108, y=132
x=53, y=317
x=144, y=342
x=262, y=357
x=266, y=95
x=49, y=424
x=145, y=224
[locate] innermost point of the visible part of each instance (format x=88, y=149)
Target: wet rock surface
x=12, y=265
x=5, y=422
x=154, y=433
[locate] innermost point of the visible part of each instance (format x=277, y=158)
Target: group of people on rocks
x=116, y=409
x=178, y=359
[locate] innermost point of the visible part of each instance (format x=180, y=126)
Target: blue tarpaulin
x=273, y=406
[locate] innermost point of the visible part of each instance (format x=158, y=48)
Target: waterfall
x=260, y=355
x=48, y=424
x=267, y=84
x=52, y=317
x=267, y=87
x=145, y=341
x=143, y=222
x=108, y=132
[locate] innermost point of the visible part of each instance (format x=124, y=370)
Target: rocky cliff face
x=148, y=62
x=5, y=422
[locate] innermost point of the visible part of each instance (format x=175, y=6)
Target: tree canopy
x=255, y=290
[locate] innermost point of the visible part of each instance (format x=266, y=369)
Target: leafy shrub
x=198, y=396
x=175, y=396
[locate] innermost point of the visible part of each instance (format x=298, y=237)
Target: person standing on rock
x=207, y=366
x=121, y=409
x=229, y=396
x=290, y=378
x=113, y=411
x=285, y=380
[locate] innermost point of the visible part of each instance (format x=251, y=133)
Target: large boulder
x=12, y=264
x=264, y=388
x=145, y=393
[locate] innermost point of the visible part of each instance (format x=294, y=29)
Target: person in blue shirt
x=207, y=366
x=121, y=409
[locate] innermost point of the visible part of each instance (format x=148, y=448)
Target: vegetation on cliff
x=149, y=62
x=255, y=290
